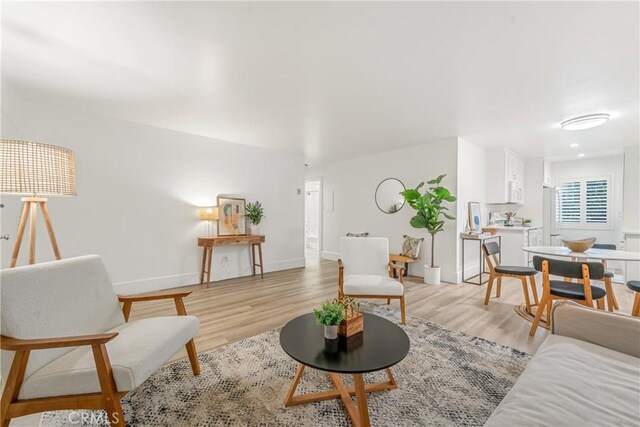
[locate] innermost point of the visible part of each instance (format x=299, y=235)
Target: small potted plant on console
x=255, y=213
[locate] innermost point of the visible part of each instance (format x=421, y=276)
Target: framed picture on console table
x=231, y=216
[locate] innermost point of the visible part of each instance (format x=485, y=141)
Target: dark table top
x=381, y=344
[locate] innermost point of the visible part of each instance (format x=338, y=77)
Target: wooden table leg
x=261, y=263
x=253, y=259
x=209, y=266
x=361, y=396
x=204, y=264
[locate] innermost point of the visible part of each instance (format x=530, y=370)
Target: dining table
x=602, y=255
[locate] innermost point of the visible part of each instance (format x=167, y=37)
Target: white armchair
x=364, y=271
x=66, y=342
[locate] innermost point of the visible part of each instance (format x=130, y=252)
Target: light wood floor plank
x=240, y=308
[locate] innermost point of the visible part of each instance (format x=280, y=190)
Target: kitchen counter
x=515, y=227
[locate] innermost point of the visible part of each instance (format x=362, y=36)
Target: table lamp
x=35, y=170
x=209, y=214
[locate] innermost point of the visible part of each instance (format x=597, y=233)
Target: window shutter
x=570, y=205
x=597, y=202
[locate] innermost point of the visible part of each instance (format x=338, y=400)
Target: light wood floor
x=239, y=308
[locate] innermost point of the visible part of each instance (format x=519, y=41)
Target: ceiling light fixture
x=574, y=145
x=581, y=155
x=585, y=122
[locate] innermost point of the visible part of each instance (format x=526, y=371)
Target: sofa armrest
x=17, y=344
x=611, y=330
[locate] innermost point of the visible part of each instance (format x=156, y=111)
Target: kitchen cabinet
x=513, y=239
x=504, y=177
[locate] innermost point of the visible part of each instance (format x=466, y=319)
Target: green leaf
x=450, y=198
x=442, y=193
x=437, y=180
x=420, y=185
x=410, y=194
x=418, y=221
x=448, y=216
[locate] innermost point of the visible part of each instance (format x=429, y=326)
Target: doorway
x=312, y=220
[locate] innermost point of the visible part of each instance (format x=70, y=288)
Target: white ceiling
x=339, y=80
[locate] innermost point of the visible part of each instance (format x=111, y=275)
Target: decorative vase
x=254, y=230
x=431, y=275
x=331, y=332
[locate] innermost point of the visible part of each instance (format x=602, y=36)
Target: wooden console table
x=208, y=243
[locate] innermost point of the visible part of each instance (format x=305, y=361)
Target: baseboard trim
x=332, y=256
x=188, y=279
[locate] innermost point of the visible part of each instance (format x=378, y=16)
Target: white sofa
x=586, y=373
x=65, y=334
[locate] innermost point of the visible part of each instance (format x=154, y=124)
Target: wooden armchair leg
x=191, y=345
x=635, y=310
x=193, y=357
x=600, y=304
x=402, y=310
x=108, y=385
x=13, y=384
x=388, y=301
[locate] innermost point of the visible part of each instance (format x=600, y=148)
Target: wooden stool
x=401, y=258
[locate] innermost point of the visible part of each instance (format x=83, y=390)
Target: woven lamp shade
x=208, y=213
x=35, y=169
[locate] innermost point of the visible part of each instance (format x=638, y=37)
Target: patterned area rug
x=448, y=378
x=521, y=310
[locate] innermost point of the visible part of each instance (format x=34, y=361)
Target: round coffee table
x=381, y=345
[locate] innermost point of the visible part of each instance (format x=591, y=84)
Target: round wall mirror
x=388, y=197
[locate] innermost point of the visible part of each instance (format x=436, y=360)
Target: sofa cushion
x=572, y=382
x=56, y=299
x=363, y=284
x=141, y=347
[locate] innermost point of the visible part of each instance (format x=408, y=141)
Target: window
x=585, y=203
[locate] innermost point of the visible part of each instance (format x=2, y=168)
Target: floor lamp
x=35, y=170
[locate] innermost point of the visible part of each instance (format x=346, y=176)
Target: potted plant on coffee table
x=329, y=315
x=431, y=215
x=254, y=212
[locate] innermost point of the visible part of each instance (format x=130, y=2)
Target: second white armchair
x=364, y=271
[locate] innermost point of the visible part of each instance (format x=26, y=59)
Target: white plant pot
x=254, y=230
x=431, y=275
x=331, y=332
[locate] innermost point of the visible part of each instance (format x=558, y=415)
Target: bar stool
x=634, y=285
x=612, y=303
x=497, y=271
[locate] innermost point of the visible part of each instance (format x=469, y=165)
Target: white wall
x=588, y=167
x=354, y=182
x=137, y=191
x=632, y=188
x=471, y=188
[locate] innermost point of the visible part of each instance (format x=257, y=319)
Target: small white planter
x=331, y=332
x=431, y=275
x=254, y=230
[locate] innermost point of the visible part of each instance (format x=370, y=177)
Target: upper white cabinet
x=505, y=177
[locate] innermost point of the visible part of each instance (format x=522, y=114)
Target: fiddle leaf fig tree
x=430, y=211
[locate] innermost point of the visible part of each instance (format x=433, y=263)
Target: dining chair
x=612, y=303
x=580, y=291
x=364, y=271
x=497, y=272
x=634, y=285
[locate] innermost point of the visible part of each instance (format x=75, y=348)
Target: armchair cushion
x=56, y=299
x=141, y=348
x=366, y=284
